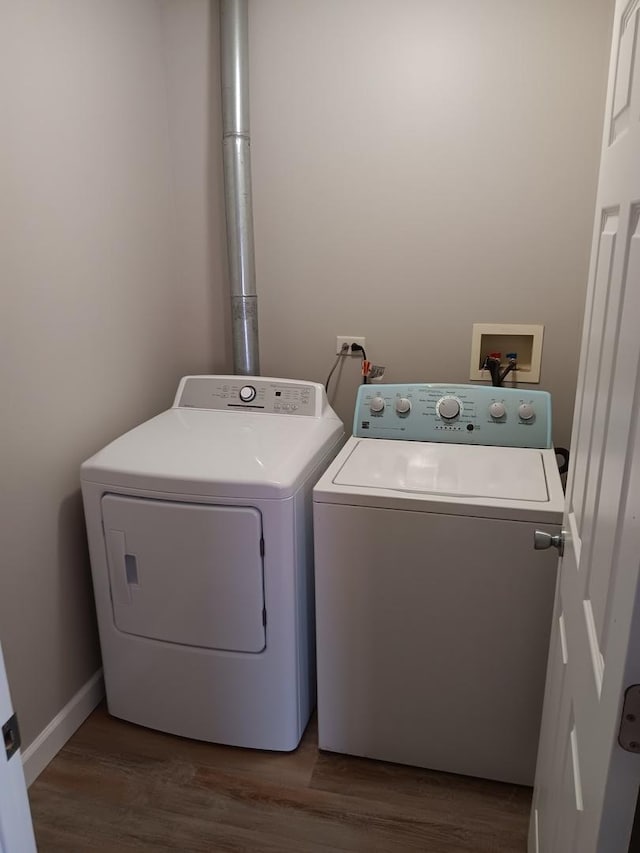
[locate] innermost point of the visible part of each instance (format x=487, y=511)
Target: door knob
x=543, y=540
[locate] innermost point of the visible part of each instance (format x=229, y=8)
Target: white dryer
x=433, y=610
x=200, y=534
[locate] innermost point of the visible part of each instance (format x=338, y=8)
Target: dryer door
x=186, y=573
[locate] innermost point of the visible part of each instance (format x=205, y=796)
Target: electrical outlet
x=349, y=339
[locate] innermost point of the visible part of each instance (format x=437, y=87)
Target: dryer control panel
x=256, y=393
x=454, y=414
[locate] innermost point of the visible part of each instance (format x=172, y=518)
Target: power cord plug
x=365, y=363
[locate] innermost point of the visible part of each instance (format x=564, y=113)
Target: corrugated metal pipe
x=234, y=50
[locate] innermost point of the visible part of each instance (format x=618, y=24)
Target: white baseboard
x=51, y=739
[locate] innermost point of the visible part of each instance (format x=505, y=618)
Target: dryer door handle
x=123, y=569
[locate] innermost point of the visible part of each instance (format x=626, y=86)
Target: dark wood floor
x=118, y=787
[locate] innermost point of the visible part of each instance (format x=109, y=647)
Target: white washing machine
x=433, y=610
x=200, y=534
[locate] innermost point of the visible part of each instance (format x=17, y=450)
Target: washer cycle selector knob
x=497, y=410
x=377, y=404
x=525, y=410
x=448, y=408
x=247, y=393
x=403, y=405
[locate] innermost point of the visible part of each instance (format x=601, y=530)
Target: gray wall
x=111, y=287
x=420, y=167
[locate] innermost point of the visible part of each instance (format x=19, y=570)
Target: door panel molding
x=625, y=68
x=582, y=445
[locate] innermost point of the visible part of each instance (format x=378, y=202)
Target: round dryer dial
x=247, y=393
x=448, y=408
x=403, y=405
x=377, y=405
x=497, y=410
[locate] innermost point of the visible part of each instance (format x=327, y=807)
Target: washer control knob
x=525, y=410
x=448, y=408
x=403, y=405
x=247, y=393
x=377, y=404
x=497, y=410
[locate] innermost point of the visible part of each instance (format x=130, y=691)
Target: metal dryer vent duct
x=234, y=50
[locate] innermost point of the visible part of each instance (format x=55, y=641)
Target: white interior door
x=586, y=783
x=16, y=831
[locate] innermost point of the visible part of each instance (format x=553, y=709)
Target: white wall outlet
x=349, y=339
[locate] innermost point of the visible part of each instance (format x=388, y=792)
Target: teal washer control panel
x=454, y=414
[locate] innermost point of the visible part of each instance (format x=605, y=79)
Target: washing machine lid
x=442, y=469
x=487, y=481
x=216, y=453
